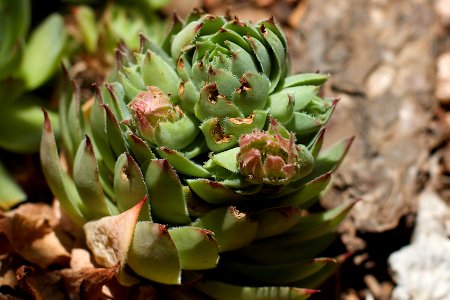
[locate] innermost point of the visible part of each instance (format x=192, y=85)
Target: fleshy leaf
x=182, y=164
x=44, y=51
x=153, y=254
x=87, y=181
x=232, y=228
x=129, y=186
x=305, y=79
x=214, y=192
x=264, y=274
x=197, y=248
x=60, y=184
x=167, y=204
x=222, y=291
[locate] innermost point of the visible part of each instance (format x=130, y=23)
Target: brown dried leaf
x=109, y=238
x=29, y=231
x=93, y=282
x=88, y=283
x=38, y=284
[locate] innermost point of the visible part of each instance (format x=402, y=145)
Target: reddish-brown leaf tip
x=47, y=123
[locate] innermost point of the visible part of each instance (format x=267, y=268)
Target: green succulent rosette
x=223, y=147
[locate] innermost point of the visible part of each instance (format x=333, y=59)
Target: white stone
x=422, y=269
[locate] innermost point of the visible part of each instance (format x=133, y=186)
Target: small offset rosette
x=266, y=157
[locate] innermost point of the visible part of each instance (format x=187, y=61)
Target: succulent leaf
x=232, y=228
x=223, y=291
x=61, y=185
x=263, y=274
x=168, y=204
x=129, y=186
x=153, y=254
x=197, y=247
x=87, y=181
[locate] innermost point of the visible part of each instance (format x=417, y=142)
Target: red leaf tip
x=47, y=123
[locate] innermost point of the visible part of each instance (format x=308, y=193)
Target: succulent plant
x=197, y=163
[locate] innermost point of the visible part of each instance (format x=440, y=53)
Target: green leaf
x=316, y=279
x=156, y=72
x=221, y=291
x=61, y=185
x=182, y=164
x=129, y=186
x=85, y=18
x=316, y=144
x=298, y=193
x=303, y=124
x=210, y=105
x=21, y=125
x=15, y=17
x=273, y=222
x=177, y=134
x=232, y=229
x=153, y=254
x=240, y=126
x=214, y=192
x=261, y=274
x=140, y=150
x=44, y=51
x=261, y=54
x=279, y=52
x=318, y=224
x=253, y=92
x=175, y=26
x=184, y=37
x=227, y=159
x=87, y=181
x=165, y=193
x=285, y=250
x=116, y=139
x=330, y=159
x=100, y=136
x=242, y=61
x=226, y=82
x=196, y=247
x=188, y=94
x=305, y=79
x=10, y=193
x=215, y=138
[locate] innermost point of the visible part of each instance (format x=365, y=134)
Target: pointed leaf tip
x=89, y=146
x=47, y=123
x=349, y=142
x=311, y=291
